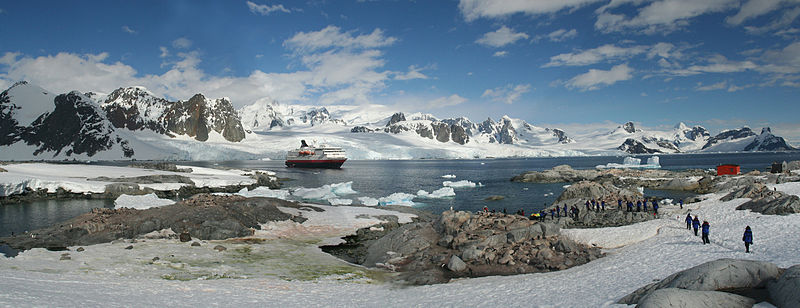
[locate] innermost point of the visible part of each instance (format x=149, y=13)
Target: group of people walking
x=694, y=223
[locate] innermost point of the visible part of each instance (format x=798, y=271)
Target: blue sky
x=574, y=64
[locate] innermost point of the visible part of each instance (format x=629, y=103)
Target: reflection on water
x=21, y=217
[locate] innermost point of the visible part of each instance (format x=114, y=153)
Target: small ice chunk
x=462, y=183
x=325, y=191
x=449, y=176
x=443, y=192
x=369, y=201
x=141, y=202
x=397, y=198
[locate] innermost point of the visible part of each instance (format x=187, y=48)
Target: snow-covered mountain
x=135, y=108
x=134, y=123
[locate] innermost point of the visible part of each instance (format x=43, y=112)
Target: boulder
x=674, y=297
x=456, y=264
x=404, y=240
x=185, y=237
x=715, y=275
x=755, y=190
x=220, y=248
x=773, y=203
x=784, y=291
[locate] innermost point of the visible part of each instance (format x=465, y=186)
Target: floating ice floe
x=141, y=202
x=632, y=162
x=325, y=192
x=443, y=192
x=262, y=191
x=449, y=176
x=397, y=199
x=462, y=183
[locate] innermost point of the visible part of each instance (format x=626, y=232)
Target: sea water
x=377, y=179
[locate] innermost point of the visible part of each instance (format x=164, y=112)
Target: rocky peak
x=397, y=117
x=766, y=141
x=135, y=108
x=629, y=127
x=729, y=135
x=198, y=116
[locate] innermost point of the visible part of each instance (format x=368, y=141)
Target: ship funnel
x=303, y=144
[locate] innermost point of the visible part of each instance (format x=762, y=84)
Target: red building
x=728, y=169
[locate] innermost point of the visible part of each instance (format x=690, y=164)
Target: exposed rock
x=494, y=198
x=195, y=244
x=579, y=192
x=163, y=166
x=65, y=257
x=773, y=203
x=220, y=248
x=184, y=237
x=674, y=297
x=755, y=190
x=80, y=249
x=629, y=127
x=456, y=264
x=784, y=291
x=558, y=174
x=486, y=244
x=147, y=179
x=3, y=170
x=129, y=247
x=361, y=129
x=633, y=146
x=680, y=184
x=722, y=274
x=397, y=117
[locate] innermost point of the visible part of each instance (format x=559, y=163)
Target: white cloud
x=414, y=72
x=561, y=35
x=264, y=9
x=332, y=36
x=596, y=55
x=164, y=52
x=786, y=19
x=500, y=54
x=594, y=79
x=786, y=60
x=752, y=9
x=474, y=9
x=128, y=30
x=9, y=58
x=717, y=86
x=507, y=94
x=662, y=15
x=447, y=101
x=182, y=43
x=501, y=37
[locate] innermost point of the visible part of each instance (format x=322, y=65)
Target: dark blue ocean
x=381, y=178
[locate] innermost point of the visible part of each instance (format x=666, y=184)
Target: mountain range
x=133, y=123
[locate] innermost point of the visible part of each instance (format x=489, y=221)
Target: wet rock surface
x=462, y=244
x=205, y=217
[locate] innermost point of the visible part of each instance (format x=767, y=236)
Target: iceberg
x=632, y=162
x=449, y=176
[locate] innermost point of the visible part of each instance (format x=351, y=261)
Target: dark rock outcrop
x=206, y=217
x=397, y=117
x=461, y=244
x=718, y=275
x=633, y=146
x=783, y=292
x=629, y=127
x=773, y=203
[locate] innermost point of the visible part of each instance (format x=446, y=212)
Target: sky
x=575, y=64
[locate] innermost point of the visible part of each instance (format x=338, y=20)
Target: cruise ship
x=315, y=157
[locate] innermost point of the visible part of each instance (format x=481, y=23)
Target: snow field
x=141, y=202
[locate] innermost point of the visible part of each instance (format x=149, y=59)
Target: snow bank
x=336, y=201
x=262, y=191
x=461, y=184
x=443, y=192
x=141, y=202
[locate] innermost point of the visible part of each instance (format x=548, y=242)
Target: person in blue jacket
x=655, y=208
x=681, y=203
x=705, y=232
x=688, y=221
x=747, y=238
x=695, y=225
